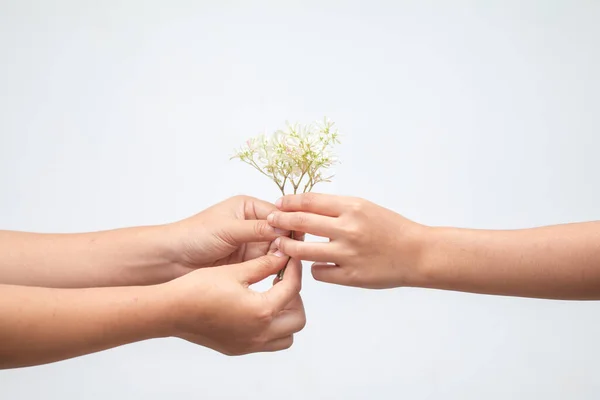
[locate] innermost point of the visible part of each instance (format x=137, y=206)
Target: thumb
x=256, y=270
x=248, y=231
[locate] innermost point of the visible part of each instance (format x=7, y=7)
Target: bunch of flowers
x=295, y=158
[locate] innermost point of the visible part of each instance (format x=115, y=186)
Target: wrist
x=178, y=308
x=162, y=310
x=427, y=262
x=445, y=252
x=152, y=256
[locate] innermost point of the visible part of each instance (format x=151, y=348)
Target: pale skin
x=63, y=296
x=373, y=247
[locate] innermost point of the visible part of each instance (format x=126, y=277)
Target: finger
x=281, y=294
x=246, y=231
x=330, y=273
x=307, y=251
x=256, y=270
x=273, y=245
x=295, y=305
x=317, y=203
x=313, y=224
x=278, y=344
x=279, y=277
x=255, y=250
x=289, y=321
x=256, y=208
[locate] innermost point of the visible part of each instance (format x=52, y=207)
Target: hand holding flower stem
x=295, y=157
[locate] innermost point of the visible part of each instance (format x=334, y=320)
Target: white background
x=480, y=114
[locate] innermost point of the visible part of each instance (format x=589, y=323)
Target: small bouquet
x=296, y=158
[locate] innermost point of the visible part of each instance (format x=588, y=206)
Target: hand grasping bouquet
x=296, y=158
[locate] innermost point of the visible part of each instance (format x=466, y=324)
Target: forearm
x=558, y=262
x=121, y=257
x=40, y=325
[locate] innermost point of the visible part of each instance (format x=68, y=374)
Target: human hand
x=369, y=246
x=215, y=308
x=232, y=231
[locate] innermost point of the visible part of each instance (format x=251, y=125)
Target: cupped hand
x=232, y=231
x=216, y=308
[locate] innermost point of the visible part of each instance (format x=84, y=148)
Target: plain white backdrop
x=479, y=114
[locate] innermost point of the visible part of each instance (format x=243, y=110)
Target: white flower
x=296, y=156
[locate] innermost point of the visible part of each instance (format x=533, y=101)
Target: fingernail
x=280, y=231
x=279, y=202
x=276, y=242
x=270, y=218
x=278, y=253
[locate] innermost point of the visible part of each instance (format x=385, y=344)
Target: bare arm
x=231, y=231
x=212, y=307
x=40, y=325
x=561, y=262
x=374, y=247
x=131, y=256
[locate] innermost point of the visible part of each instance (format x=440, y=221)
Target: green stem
x=282, y=271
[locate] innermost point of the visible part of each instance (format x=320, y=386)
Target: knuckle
x=288, y=343
x=353, y=276
x=296, y=286
x=260, y=229
x=349, y=252
x=351, y=230
x=274, y=218
x=281, y=244
x=300, y=220
x=240, y=198
x=354, y=253
x=257, y=342
x=264, y=262
x=357, y=205
x=301, y=322
x=226, y=234
x=307, y=200
x=285, y=202
x=263, y=314
x=289, y=247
